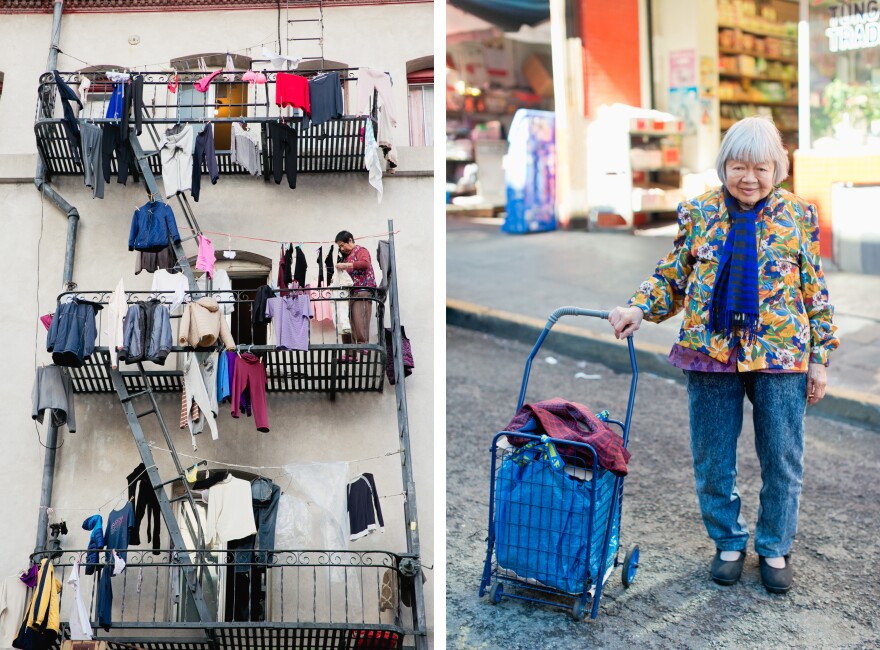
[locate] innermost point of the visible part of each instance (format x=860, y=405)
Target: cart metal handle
x=594, y=313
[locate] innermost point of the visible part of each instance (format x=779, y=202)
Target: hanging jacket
x=203, y=323
x=72, y=334
x=141, y=491
x=147, y=333
x=67, y=95
x=44, y=610
x=151, y=226
x=96, y=541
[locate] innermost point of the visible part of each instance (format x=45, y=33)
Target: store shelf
x=664, y=168
x=737, y=75
x=758, y=32
x=758, y=102
x=783, y=59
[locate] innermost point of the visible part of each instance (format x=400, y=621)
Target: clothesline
x=50, y=509
x=284, y=241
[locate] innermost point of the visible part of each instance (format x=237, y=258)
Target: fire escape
x=327, y=598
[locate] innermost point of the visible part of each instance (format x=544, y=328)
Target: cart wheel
x=495, y=593
x=577, y=609
x=630, y=565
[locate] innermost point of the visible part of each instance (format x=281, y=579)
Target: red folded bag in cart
x=565, y=420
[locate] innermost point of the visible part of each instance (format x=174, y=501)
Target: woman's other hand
x=815, y=383
x=626, y=320
x=341, y=266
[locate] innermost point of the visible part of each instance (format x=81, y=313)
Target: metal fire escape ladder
x=414, y=569
x=145, y=389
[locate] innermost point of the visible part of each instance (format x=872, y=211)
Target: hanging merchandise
x=79, y=622
x=92, y=152
x=370, y=80
x=207, y=257
x=363, y=507
x=13, y=598
x=117, y=308
x=250, y=373
x=151, y=227
x=53, y=390
x=284, y=152
x=196, y=390
x=72, y=335
x=246, y=148
x=290, y=316
x=146, y=504
x=325, y=99
x=202, y=324
x=96, y=541
x=230, y=513
x=42, y=622
x=176, y=154
x=406, y=352
x=147, y=334
x=372, y=161
x=204, y=152
x=71, y=127
x=114, y=141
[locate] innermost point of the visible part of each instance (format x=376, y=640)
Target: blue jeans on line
x=715, y=405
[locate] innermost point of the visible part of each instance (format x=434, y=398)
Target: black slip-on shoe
x=776, y=581
x=726, y=573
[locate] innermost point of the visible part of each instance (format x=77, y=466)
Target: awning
x=507, y=14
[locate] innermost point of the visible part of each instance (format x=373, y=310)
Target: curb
x=860, y=409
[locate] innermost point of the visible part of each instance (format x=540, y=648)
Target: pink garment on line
x=321, y=308
x=254, y=77
x=46, y=320
x=204, y=83
x=206, y=259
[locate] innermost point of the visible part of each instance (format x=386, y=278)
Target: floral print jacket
x=795, y=316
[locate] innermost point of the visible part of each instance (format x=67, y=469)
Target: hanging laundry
x=79, y=622
x=151, y=226
x=265, y=496
x=118, y=532
x=13, y=598
x=301, y=268
x=164, y=282
x=117, y=77
x=176, y=154
x=189, y=410
x=406, y=352
x=383, y=255
x=370, y=80
x=363, y=507
x=221, y=285
x=71, y=128
x=259, y=320
x=321, y=307
x=246, y=147
x=287, y=265
x=92, y=153
x=340, y=306
x=204, y=153
x=114, y=105
x=117, y=308
x=146, y=504
x=133, y=98
x=202, y=324
x=53, y=390
x=96, y=541
x=385, y=141
x=147, y=334
x=250, y=373
x=253, y=77
x=320, y=261
x=42, y=622
x=118, y=564
x=154, y=261
x=292, y=90
x=114, y=142
x=230, y=513
x=290, y=316
x=72, y=335
x=371, y=159
x=224, y=383
x=329, y=265
x=197, y=391
x=279, y=60
x=204, y=83
x=46, y=320
x=173, y=82
x=207, y=257
x=284, y=152
x=84, y=86
x=325, y=99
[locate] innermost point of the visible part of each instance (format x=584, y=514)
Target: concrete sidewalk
x=509, y=284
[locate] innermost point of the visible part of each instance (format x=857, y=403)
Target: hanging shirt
x=119, y=527
x=176, y=153
x=230, y=512
x=290, y=317
x=175, y=282
x=80, y=624
x=245, y=145
x=207, y=258
x=13, y=597
x=363, y=507
x=292, y=90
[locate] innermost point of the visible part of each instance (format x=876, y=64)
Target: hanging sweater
x=203, y=323
x=96, y=541
x=141, y=491
x=230, y=512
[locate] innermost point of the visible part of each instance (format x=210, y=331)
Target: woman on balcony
x=357, y=262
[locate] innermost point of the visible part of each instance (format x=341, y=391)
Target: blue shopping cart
x=554, y=517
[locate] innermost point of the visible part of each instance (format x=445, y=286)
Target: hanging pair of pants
x=204, y=151
x=115, y=140
x=133, y=97
x=715, y=404
x=284, y=144
x=92, y=152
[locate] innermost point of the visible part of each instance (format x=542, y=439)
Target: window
x=420, y=101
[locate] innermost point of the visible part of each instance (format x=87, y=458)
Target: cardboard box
x=537, y=71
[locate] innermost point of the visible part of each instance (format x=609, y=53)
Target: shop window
x=420, y=101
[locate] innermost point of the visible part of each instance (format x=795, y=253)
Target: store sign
x=853, y=26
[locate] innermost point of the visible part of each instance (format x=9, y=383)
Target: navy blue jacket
x=150, y=227
x=72, y=334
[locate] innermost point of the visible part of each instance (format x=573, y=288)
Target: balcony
x=335, y=146
x=289, y=599
x=330, y=365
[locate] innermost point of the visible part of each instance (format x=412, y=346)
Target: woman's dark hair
x=344, y=236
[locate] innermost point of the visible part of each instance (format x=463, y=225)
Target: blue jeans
x=715, y=405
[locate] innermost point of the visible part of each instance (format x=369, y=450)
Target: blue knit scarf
x=734, y=305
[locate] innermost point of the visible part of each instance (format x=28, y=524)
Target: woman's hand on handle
x=625, y=320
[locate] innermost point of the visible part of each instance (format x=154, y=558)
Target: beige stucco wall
x=93, y=462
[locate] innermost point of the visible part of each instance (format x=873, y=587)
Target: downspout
x=67, y=281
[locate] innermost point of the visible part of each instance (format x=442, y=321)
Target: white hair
x=756, y=140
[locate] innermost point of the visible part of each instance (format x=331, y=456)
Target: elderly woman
x=745, y=267
x=360, y=267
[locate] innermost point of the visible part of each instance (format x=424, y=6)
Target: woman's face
x=345, y=247
x=749, y=182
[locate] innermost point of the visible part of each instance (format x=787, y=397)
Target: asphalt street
x=672, y=603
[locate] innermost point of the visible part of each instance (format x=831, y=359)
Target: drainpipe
x=72, y=222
